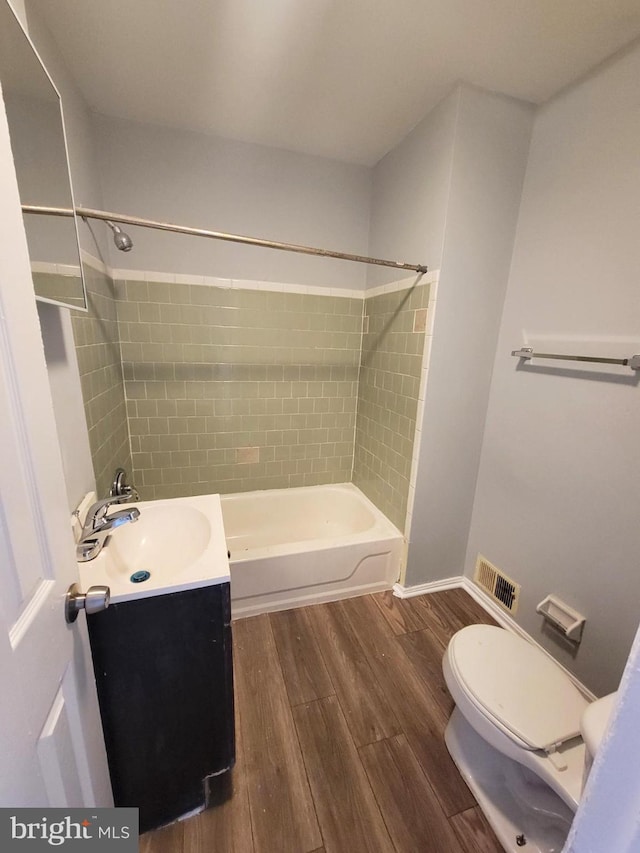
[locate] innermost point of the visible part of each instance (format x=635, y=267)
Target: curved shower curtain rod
x=89, y=213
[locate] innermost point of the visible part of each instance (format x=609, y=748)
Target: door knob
x=96, y=598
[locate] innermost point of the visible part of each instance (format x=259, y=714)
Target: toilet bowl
x=516, y=735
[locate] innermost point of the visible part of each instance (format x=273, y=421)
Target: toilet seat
x=516, y=686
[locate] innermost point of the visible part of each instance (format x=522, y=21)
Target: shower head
x=120, y=237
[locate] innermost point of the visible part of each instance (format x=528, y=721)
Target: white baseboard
x=493, y=609
x=401, y=591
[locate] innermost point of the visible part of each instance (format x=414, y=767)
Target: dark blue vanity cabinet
x=163, y=668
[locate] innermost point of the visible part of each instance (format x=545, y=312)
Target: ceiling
x=339, y=78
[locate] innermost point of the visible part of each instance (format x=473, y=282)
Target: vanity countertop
x=175, y=545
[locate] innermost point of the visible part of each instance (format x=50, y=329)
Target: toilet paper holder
x=562, y=617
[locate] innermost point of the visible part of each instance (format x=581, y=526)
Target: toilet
x=522, y=735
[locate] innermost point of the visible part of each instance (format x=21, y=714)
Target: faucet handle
x=98, y=510
x=120, y=487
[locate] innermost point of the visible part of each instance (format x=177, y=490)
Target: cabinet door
x=164, y=674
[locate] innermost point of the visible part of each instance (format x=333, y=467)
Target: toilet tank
x=593, y=726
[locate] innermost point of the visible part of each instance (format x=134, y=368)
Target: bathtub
x=291, y=547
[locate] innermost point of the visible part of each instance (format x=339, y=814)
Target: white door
x=51, y=744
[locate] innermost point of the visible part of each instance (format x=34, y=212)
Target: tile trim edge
x=422, y=393
x=119, y=274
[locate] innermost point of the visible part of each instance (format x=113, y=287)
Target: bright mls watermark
x=69, y=829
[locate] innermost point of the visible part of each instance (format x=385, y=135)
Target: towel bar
x=527, y=354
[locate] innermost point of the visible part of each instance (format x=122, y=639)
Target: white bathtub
x=306, y=545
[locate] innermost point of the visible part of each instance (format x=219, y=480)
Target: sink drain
x=140, y=577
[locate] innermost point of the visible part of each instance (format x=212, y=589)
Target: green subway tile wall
x=232, y=390
x=98, y=350
x=229, y=390
x=388, y=397
x=60, y=288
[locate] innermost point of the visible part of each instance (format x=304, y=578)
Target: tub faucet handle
x=120, y=488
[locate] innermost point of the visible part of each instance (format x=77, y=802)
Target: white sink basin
x=180, y=543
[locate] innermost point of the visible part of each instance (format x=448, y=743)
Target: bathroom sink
x=175, y=545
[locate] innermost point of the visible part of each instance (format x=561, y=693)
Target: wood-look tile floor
x=340, y=712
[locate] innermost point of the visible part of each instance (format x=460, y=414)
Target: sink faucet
x=98, y=525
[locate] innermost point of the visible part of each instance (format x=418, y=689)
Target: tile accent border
x=275, y=286
x=56, y=269
x=430, y=277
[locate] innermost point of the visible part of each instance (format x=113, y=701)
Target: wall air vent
x=501, y=588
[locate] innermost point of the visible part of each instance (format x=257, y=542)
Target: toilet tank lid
x=517, y=685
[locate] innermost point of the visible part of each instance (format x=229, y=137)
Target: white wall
x=208, y=182
x=488, y=164
x=410, y=194
x=557, y=498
